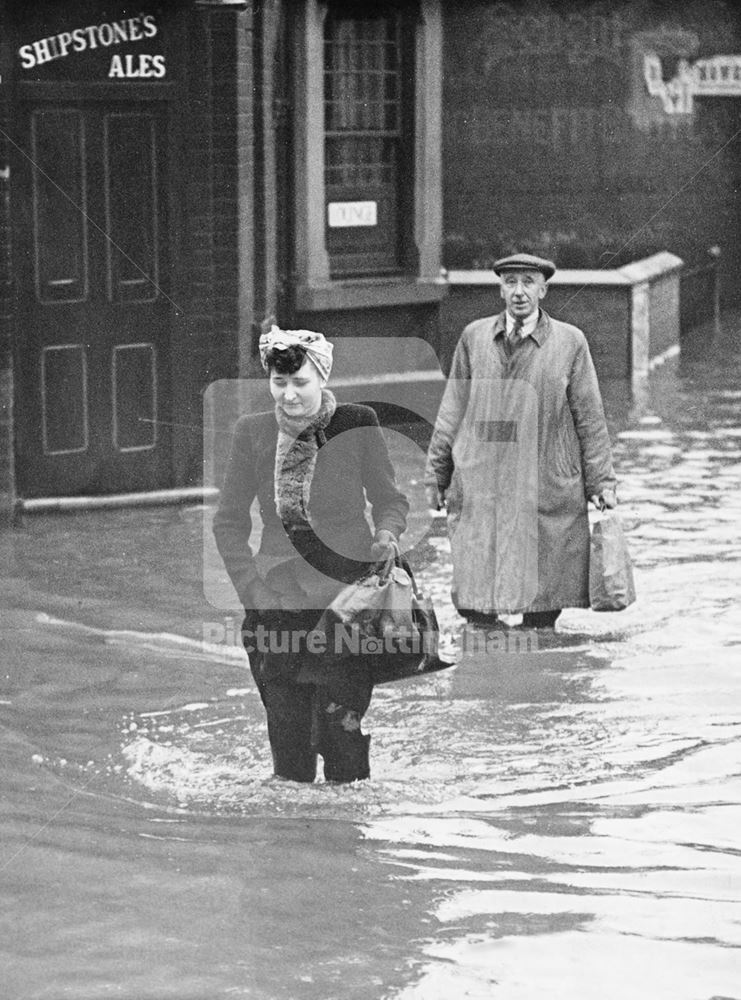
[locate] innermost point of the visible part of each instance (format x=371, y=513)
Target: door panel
x=134, y=378
x=132, y=257
x=59, y=208
x=64, y=399
x=94, y=347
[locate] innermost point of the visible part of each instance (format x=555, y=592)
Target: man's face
x=522, y=291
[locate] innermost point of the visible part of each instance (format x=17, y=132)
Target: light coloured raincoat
x=519, y=445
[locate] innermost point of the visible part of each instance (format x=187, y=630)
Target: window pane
x=363, y=138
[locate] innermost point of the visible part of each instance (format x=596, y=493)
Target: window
x=366, y=153
x=368, y=138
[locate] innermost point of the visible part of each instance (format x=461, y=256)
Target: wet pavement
x=556, y=818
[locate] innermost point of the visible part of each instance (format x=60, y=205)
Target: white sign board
x=718, y=76
x=352, y=213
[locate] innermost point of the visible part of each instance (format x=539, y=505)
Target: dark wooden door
x=93, y=267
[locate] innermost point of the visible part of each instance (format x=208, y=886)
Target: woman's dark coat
x=353, y=464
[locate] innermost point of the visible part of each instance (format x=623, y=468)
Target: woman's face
x=300, y=394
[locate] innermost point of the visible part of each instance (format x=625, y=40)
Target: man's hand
x=435, y=497
x=384, y=545
x=606, y=500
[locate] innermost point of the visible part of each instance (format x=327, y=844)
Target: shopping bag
x=386, y=617
x=376, y=604
x=611, y=586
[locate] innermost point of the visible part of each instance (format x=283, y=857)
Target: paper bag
x=611, y=586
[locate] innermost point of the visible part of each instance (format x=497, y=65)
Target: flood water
x=556, y=822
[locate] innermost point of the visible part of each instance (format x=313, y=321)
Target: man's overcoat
x=520, y=444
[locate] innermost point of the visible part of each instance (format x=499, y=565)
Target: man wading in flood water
x=519, y=447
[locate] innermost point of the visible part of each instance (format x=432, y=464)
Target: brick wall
x=552, y=143
x=7, y=478
x=212, y=334
x=602, y=313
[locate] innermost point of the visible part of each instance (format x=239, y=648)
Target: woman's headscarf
x=318, y=348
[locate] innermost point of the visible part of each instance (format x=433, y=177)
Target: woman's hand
x=384, y=545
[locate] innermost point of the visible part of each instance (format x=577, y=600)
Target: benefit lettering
x=94, y=36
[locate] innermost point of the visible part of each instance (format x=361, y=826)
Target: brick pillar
x=232, y=82
x=7, y=465
x=213, y=338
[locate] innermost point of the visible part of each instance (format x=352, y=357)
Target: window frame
x=417, y=276
x=383, y=247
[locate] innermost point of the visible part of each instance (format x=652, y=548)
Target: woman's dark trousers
x=306, y=719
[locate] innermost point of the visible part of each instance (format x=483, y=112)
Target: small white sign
x=352, y=213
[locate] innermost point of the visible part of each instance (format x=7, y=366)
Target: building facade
x=599, y=133
x=127, y=147
x=175, y=177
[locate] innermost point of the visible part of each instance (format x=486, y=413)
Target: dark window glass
x=367, y=137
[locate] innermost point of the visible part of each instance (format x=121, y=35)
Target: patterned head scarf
x=318, y=348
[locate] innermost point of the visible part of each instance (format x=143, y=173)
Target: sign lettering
x=96, y=38
x=718, y=76
x=142, y=66
x=132, y=29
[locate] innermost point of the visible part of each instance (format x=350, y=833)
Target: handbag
x=611, y=586
x=385, y=616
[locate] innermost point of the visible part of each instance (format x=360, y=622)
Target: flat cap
x=525, y=262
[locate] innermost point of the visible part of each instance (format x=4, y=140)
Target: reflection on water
x=555, y=821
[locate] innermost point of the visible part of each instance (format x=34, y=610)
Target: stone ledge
x=152, y=498
x=565, y=277
x=658, y=265
x=648, y=269
x=630, y=313
x=369, y=293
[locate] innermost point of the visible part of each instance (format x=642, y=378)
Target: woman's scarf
x=299, y=441
x=318, y=348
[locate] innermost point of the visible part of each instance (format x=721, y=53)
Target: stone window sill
x=369, y=293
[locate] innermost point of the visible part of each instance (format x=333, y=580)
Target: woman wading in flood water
x=311, y=462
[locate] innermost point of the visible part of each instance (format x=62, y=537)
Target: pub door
x=91, y=245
